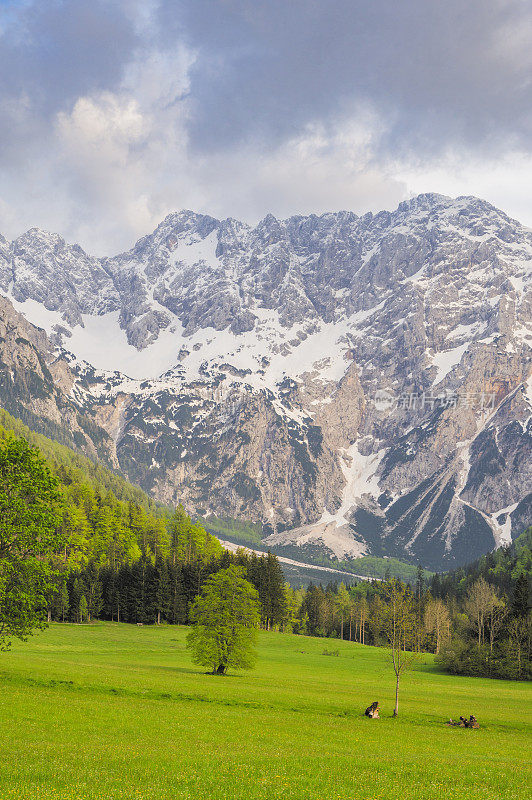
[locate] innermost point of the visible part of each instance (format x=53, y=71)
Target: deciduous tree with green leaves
x=83, y=609
x=437, y=622
x=225, y=619
x=399, y=623
x=30, y=537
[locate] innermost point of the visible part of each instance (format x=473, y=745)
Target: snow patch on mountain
x=447, y=360
x=504, y=528
x=339, y=541
x=36, y=313
x=102, y=342
x=361, y=479
x=194, y=252
x=333, y=531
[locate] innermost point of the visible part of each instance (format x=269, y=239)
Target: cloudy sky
x=115, y=112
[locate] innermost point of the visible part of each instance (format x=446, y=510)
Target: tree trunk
x=49, y=615
x=396, y=709
x=342, y=628
x=158, y=618
x=221, y=669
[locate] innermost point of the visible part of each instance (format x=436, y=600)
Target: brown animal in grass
x=472, y=722
x=372, y=711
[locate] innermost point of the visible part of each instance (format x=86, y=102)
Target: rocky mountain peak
x=325, y=375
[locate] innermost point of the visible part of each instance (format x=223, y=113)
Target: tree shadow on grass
x=172, y=669
x=198, y=671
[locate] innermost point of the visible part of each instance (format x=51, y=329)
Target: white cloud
x=105, y=127
x=505, y=181
x=117, y=161
x=125, y=158
x=120, y=161
x=326, y=168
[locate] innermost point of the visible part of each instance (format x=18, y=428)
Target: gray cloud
x=114, y=113
x=440, y=71
x=50, y=54
x=57, y=50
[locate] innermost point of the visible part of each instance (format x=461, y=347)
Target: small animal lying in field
x=372, y=711
x=472, y=722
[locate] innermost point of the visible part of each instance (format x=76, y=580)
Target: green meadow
x=117, y=711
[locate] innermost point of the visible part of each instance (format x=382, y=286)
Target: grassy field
x=107, y=711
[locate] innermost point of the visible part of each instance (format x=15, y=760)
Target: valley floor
x=116, y=711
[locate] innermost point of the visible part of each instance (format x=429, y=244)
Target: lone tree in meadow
x=225, y=618
x=399, y=625
x=29, y=539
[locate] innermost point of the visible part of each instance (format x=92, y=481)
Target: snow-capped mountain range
x=359, y=385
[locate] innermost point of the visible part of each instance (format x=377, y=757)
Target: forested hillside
x=476, y=619
x=130, y=559
x=502, y=568
x=109, y=522
x=489, y=604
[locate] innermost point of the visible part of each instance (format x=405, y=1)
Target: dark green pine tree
x=150, y=592
x=109, y=579
x=178, y=600
x=83, y=609
x=93, y=584
x=125, y=595
x=436, y=586
x=420, y=582
x=271, y=591
x=138, y=591
x=226, y=559
x=59, y=604
x=63, y=603
x=521, y=597
x=77, y=589
x=311, y=607
x=163, y=596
